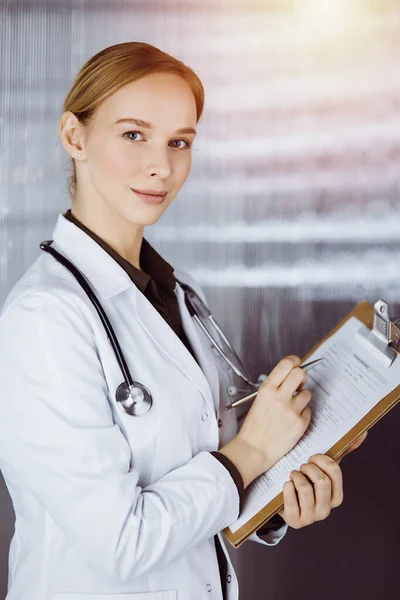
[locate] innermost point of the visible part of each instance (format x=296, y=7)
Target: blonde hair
x=114, y=67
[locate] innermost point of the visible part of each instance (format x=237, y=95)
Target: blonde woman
x=112, y=505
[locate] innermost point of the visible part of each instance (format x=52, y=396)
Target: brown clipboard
x=364, y=313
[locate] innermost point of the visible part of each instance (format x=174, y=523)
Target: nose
x=157, y=164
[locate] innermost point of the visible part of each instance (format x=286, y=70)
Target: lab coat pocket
x=165, y=595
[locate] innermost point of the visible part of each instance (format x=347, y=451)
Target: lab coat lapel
x=198, y=341
x=169, y=343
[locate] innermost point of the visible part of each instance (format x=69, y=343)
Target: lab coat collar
x=103, y=272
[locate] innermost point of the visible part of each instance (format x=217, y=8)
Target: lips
x=150, y=196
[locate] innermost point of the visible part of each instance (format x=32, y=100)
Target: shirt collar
x=153, y=265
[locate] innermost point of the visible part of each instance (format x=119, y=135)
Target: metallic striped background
x=291, y=214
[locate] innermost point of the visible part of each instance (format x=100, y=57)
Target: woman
x=108, y=505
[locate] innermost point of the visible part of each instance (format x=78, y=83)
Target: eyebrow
x=147, y=125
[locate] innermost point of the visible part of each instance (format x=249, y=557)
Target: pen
x=306, y=367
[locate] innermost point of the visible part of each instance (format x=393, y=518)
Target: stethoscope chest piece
x=135, y=399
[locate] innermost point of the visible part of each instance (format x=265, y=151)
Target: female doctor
x=111, y=505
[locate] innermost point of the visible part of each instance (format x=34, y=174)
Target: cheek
x=112, y=159
x=182, y=170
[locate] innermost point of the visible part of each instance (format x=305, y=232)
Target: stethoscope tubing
x=221, y=352
x=127, y=390
x=103, y=316
x=240, y=373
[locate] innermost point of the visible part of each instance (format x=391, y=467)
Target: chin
x=143, y=218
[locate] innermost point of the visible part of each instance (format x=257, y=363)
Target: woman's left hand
x=313, y=491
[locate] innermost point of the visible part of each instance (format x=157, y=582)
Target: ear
x=71, y=134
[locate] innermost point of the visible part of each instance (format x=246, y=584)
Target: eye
x=135, y=133
x=175, y=144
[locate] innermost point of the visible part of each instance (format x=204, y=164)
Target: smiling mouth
x=150, y=197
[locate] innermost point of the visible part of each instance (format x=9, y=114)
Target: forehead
x=158, y=98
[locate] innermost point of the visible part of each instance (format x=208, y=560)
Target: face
x=138, y=143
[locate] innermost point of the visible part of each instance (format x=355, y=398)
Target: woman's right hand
x=275, y=422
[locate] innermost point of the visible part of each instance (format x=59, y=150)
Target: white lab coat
x=110, y=506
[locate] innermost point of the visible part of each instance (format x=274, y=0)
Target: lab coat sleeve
x=58, y=439
x=274, y=535
x=264, y=536
x=271, y=537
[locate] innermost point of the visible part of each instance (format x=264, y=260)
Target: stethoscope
x=132, y=396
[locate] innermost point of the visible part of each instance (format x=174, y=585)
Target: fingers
x=356, y=444
x=312, y=492
x=330, y=468
x=293, y=381
x=281, y=371
x=306, y=498
x=300, y=403
x=322, y=486
x=306, y=413
x=288, y=377
x=361, y=438
x=291, y=508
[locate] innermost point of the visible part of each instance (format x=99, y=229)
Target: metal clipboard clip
x=384, y=337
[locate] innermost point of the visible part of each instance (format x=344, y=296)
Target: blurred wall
x=291, y=214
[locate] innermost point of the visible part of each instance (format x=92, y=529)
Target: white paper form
x=344, y=387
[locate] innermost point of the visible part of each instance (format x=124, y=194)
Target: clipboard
x=383, y=339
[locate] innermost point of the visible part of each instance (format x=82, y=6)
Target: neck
x=124, y=237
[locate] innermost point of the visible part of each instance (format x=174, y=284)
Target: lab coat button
x=219, y=423
x=209, y=588
x=204, y=416
x=229, y=578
